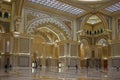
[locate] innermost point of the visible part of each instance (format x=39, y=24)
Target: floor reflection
x=58, y=74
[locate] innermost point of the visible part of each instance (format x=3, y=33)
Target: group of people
x=8, y=67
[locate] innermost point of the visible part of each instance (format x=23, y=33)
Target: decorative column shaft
x=43, y=58
x=17, y=23
x=113, y=29
x=12, y=16
x=74, y=30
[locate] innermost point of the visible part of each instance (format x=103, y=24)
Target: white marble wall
x=115, y=48
x=114, y=60
x=23, y=61
x=114, y=64
x=61, y=51
x=74, y=49
x=24, y=45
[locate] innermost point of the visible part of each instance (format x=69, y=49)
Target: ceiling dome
x=93, y=20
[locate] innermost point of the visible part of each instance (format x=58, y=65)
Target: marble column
x=30, y=51
x=113, y=29
x=12, y=16
x=44, y=57
x=75, y=30
x=17, y=24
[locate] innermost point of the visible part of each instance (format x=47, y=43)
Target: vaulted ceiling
x=70, y=8
x=76, y=8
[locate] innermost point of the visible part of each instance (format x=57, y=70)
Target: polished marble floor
x=58, y=74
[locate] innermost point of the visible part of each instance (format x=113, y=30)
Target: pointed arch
x=102, y=18
x=34, y=24
x=102, y=41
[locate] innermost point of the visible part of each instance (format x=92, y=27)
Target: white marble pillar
x=17, y=23
x=43, y=58
x=12, y=16
x=113, y=29
x=30, y=51
x=74, y=30
x=21, y=28
x=65, y=50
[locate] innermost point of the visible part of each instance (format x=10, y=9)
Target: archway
x=103, y=52
x=94, y=29
x=94, y=19
x=37, y=23
x=93, y=25
x=46, y=35
x=84, y=52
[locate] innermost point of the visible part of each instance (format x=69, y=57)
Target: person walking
x=76, y=68
x=10, y=67
x=6, y=68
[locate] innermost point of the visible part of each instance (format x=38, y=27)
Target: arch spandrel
x=35, y=24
